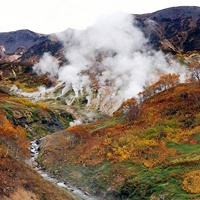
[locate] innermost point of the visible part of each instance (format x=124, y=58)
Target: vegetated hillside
x=37, y=118
x=17, y=179
x=21, y=121
x=147, y=150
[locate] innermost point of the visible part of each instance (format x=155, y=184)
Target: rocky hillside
x=12, y=41
x=26, y=46
x=173, y=29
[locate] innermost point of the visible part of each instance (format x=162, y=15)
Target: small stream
x=34, y=149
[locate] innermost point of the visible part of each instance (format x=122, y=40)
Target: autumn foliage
x=131, y=109
x=165, y=82
x=78, y=134
x=12, y=139
x=158, y=130
x=144, y=130
x=191, y=182
x=79, y=130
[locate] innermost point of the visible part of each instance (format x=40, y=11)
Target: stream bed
x=34, y=150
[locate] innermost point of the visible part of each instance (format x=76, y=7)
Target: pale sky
x=48, y=16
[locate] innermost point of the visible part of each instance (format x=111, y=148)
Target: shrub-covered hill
x=21, y=121
x=37, y=118
x=147, y=150
x=17, y=179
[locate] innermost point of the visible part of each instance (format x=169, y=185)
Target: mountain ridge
x=174, y=26
x=183, y=36
x=21, y=38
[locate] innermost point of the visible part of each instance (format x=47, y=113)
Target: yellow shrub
x=43, y=106
x=24, y=101
x=29, y=103
x=191, y=182
x=30, y=90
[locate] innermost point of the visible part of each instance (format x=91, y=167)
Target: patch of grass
x=103, y=124
x=185, y=148
x=196, y=136
x=29, y=103
x=156, y=182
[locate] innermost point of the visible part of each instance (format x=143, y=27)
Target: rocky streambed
x=34, y=150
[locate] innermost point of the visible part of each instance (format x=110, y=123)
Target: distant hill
x=20, y=39
x=26, y=46
x=173, y=30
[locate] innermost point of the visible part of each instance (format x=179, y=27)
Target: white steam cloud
x=47, y=65
x=75, y=122
x=113, y=57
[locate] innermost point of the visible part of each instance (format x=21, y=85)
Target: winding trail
x=34, y=149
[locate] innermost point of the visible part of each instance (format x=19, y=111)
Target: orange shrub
x=13, y=138
x=79, y=130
